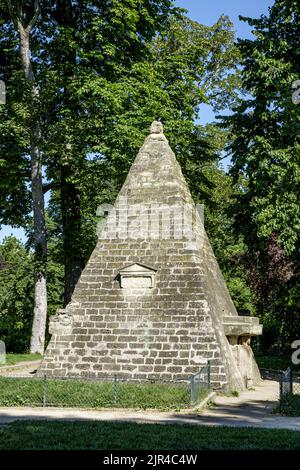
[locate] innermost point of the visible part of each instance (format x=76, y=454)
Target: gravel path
x=23, y=369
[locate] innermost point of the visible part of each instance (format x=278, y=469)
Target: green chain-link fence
x=289, y=388
x=115, y=391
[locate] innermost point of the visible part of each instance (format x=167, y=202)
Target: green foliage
x=266, y=126
x=16, y=293
x=242, y=295
x=14, y=134
x=72, y=42
x=106, y=70
x=170, y=85
x=229, y=247
x=186, y=66
x=275, y=362
x=265, y=150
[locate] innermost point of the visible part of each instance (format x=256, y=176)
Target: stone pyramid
x=151, y=302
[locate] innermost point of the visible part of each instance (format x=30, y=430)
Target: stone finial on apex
x=156, y=128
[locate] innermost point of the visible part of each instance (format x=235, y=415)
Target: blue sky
x=206, y=12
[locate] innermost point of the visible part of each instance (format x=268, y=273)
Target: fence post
x=192, y=389
x=281, y=393
x=45, y=391
x=115, y=389
x=208, y=375
x=291, y=381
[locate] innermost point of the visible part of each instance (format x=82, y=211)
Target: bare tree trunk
x=37, y=341
x=40, y=289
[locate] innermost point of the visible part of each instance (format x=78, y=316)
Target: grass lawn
x=86, y=435
x=88, y=394
x=12, y=359
x=275, y=362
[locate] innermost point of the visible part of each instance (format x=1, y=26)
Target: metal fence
x=105, y=392
x=200, y=384
x=270, y=374
x=289, y=392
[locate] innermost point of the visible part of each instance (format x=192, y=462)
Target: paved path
x=21, y=369
x=252, y=408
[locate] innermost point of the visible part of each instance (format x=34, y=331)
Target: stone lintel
x=242, y=326
x=137, y=276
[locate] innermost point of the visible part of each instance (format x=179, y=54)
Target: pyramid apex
x=156, y=128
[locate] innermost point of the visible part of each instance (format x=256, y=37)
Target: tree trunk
x=37, y=341
x=40, y=289
x=71, y=221
x=70, y=195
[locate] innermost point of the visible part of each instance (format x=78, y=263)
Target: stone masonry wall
x=158, y=333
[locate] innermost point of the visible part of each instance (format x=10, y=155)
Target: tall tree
x=187, y=64
x=71, y=40
x=117, y=32
x=105, y=71
x=186, y=67
x=266, y=151
x=24, y=21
